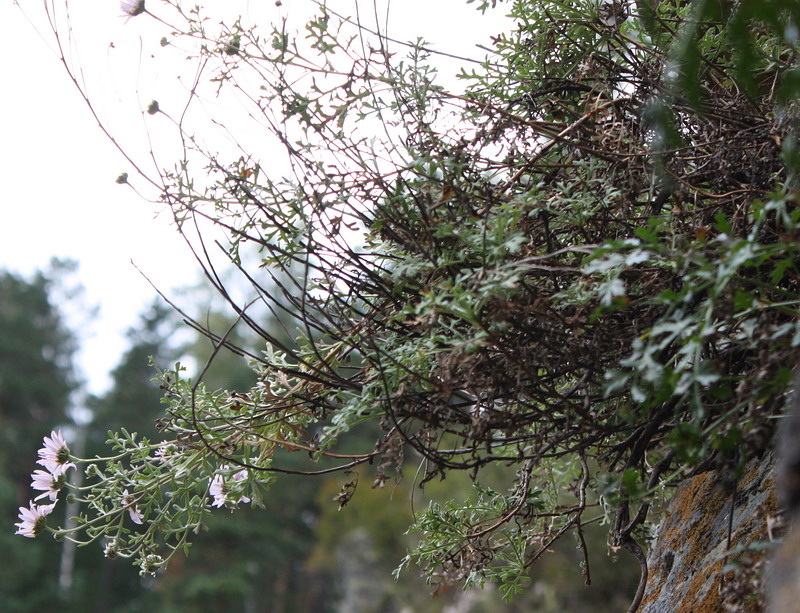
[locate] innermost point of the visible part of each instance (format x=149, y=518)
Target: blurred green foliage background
x=301, y=555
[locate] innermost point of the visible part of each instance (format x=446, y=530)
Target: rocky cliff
x=708, y=555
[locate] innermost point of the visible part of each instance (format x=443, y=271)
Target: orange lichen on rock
x=692, y=549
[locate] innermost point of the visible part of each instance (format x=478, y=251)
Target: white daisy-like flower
x=54, y=456
x=33, y=520
x=132, y=8
x=130, y=502
x=44, y=481
x=220, y=490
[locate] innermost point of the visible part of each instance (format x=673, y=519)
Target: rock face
x=693, y=567
x=783, y=585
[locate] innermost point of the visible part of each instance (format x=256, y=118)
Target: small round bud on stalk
x=232, y=48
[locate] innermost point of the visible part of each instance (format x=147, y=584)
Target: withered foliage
x=586, y=261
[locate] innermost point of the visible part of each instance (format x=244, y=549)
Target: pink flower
x=54, y=456
x=132, y=8
x=165, y=452
x=220, y=490
x=46, y=482
x=33, y=520
x=130, y=502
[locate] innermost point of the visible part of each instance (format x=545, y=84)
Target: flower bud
x=110, y=550
x=232, y=48
x=150, y=564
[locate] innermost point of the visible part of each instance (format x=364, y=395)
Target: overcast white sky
x=58, y=170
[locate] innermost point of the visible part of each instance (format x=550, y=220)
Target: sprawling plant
x=580, y=266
